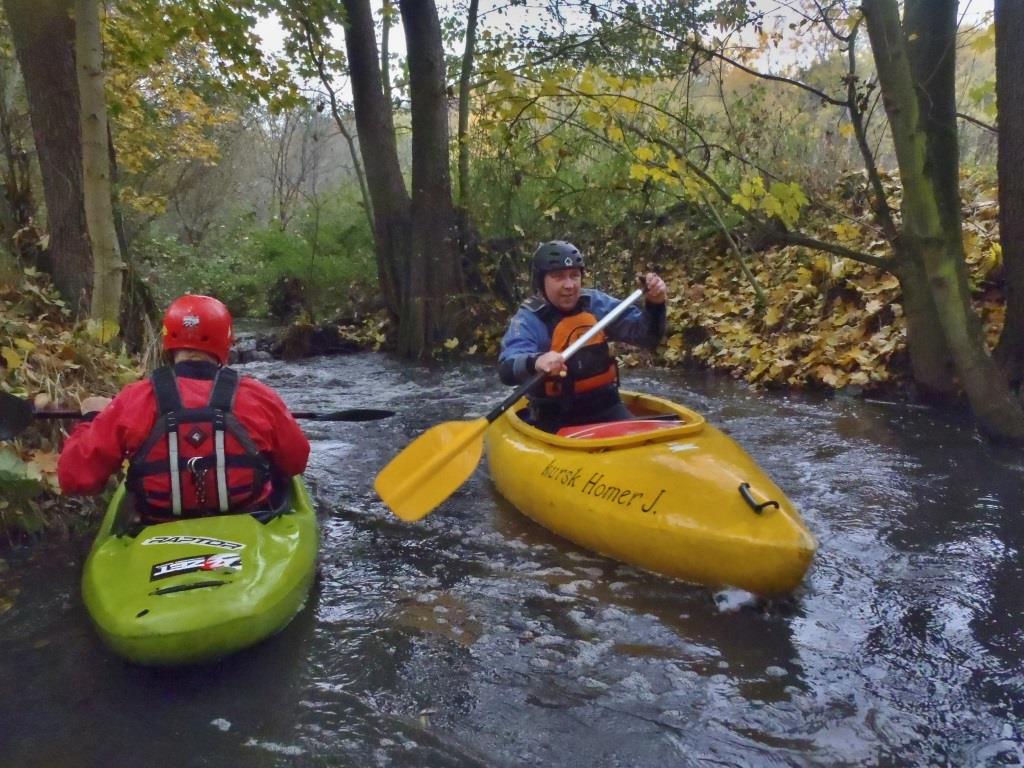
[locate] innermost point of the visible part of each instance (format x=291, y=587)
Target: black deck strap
x=165, y=388
x=222, y=396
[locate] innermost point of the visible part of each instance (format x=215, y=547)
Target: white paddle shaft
x=603, y=323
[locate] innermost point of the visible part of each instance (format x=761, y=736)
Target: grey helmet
x=552, y=256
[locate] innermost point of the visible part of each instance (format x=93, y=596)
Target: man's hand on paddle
x=551, y=363
x=654, y=289
x=94, y=404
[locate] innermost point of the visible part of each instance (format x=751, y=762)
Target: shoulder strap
x=168, y=402
x=165, y=387
x=222, y=398
x=225, y=385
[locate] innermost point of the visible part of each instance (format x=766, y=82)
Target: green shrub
x=330, y=251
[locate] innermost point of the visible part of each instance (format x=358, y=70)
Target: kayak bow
x=670, y=494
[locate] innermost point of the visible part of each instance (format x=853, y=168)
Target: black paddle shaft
x=16, y=414
x=347, y=414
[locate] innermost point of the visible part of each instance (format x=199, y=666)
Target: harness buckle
x=198, y=478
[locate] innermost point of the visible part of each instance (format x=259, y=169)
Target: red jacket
x=96, y=450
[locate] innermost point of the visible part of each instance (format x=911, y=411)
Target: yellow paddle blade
x=431, y=468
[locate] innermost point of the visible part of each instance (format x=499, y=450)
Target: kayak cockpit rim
x=690, y=423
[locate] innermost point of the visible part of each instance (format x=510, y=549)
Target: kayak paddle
x=433, y=466
x=16, y=414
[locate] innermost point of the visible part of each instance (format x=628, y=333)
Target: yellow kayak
x=669, y=493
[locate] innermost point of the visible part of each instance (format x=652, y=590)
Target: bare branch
x=883, y=213
x=977, y=122
x=781, y=237
x=734, y=247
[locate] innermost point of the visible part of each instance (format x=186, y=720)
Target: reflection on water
x=476, y=638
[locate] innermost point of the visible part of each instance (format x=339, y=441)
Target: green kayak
x=194, y=590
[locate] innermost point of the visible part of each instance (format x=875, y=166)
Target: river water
x=476, y=638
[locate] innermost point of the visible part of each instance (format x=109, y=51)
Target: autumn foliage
x=48, y=360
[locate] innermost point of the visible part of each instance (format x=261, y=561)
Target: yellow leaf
x=550, y=87
x=638, y=172
x=587, y=84
x=991, y=259
x=644, y=154
x=24, y=344
x=12, y=358
x=846, y=130
x=985, y=41
x=615, y=133
x=451, y=343
x=772, y=316
x=845, y=232
x=593, y=119
x=742, y=201
x=505, y=78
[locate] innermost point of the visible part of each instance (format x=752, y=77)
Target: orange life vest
x=589, y=368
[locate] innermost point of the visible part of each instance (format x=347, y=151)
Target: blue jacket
x=528, y=337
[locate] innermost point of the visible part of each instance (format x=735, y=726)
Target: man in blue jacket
x=585, y=388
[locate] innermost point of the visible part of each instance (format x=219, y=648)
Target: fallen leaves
x=829, y=322
x=45, y=357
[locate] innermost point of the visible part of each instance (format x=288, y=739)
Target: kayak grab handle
x=759, y=508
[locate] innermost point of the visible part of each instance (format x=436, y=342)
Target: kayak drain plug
x=758, y=508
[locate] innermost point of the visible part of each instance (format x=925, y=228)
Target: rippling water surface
x=476, y=638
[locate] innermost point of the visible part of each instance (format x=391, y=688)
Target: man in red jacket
x=199, y=438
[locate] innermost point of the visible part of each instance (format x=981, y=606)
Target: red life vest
x=197, y=461
x=589, y=368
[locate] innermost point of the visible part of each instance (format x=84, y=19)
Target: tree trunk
x=925, y=235
x=19, y=210
x=930, y=29
x=435, y=272
x=930, y=361
x=1009, y=16
x=108, y=268
x=464, y=80
x=374, y=123
x=44, y=40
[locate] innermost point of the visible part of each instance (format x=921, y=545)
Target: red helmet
x=198, y=322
